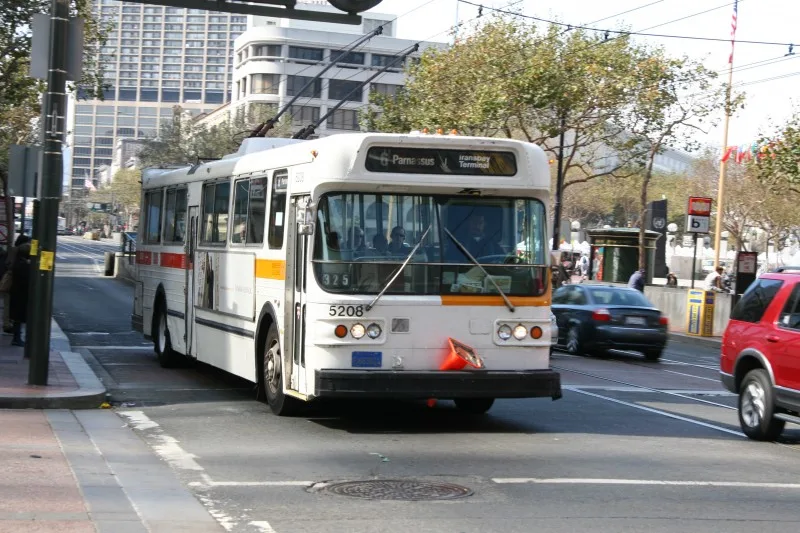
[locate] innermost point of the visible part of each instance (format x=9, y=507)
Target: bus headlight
x=357, y=331
x=520, y=332
x=504, y=332
x=374, y=331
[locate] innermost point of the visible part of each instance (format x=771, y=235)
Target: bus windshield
x=362, y=239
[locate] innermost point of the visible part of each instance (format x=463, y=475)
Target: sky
x=768, y=103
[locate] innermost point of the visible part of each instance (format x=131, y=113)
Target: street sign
x=697, y=224
x=699, y=206
x=688, y=241
x=23, y=169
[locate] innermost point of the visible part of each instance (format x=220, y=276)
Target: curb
x=684, y=337
x=89, y=395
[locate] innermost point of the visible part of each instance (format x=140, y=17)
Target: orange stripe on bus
x=271, y=269
x=495, y=301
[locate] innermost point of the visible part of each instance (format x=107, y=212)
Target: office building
x=156, y=57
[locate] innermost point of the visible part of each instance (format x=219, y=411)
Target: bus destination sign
x=405, y=160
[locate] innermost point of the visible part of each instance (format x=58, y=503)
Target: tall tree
x=183, y=140
x=512, y=79
x=20, y=94
x=673, y=99
x=778, y=164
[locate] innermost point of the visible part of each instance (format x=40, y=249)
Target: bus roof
x=515, y=165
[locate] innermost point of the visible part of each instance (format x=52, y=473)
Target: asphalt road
x=632, y=445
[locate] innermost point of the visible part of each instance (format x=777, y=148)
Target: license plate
x=636, y=321
x=366, y=359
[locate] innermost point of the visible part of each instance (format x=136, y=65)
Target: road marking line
x=263, y=525
x=165, y=446
x=662, y=413
x=676, y=362
x=147, y=346
x=690, y=375
x=657, y=482
x=701, y=392
x=259, y=483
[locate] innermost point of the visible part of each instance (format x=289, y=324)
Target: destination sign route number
x=405, y=160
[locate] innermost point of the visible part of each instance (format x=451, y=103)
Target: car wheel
x=167, y=357
x=279, y=403
x=574, y=344
x=756, y=407
x=653, y=355
x=474, y=406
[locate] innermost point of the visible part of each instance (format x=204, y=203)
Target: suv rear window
x=756, y=299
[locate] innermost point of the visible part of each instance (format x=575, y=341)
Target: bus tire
x=167, y=357
x=474, y=406
x=279, y=403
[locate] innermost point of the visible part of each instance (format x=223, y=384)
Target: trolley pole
x=54, y=125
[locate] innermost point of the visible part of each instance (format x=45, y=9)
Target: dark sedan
x=593, y=319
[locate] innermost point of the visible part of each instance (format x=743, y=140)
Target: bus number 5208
x=346, y=310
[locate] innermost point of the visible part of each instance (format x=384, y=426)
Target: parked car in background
x=760, y=358
x=594, y=318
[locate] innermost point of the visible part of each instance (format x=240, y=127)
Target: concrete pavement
x=71, y=383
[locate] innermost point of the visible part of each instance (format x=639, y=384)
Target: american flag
x=733, y=28
x=89, y=185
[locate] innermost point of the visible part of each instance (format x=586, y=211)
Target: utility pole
x=54, y=126
x=559, y=184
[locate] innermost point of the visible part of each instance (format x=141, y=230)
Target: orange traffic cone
x=460, y=355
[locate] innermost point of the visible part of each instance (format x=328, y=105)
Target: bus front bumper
x=423, y=384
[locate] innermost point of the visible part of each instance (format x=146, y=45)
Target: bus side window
x=277, y=208
x=153, y=201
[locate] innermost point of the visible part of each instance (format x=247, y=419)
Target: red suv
x=760, y=357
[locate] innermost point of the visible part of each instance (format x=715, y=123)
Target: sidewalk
x=71, y=383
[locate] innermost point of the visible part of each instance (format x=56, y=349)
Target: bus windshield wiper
x=399, y=270
x=477, y=264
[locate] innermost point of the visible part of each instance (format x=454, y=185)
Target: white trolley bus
x=356, y=266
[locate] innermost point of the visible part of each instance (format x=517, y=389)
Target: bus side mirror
x=305, y=219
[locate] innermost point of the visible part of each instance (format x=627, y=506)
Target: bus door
x=300, y=241
x=191, y=245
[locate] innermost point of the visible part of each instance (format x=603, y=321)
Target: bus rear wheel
x=279, y=403
x=474, y=406
x=167, y=357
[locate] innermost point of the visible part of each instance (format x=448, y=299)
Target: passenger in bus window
x=380, y=243
x=398, y=244
x=359, y=244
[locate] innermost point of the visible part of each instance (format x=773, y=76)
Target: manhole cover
x=396, y=489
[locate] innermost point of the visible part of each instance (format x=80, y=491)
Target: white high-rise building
x=156, y=58
x=160, y=57
x=275, y=58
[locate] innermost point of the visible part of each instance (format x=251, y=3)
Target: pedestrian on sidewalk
x=4, y=287
x=637, y=280
x=18, y=294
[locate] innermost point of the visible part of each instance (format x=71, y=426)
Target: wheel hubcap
x=572, y=341
x=272, y=369
x=753, y=404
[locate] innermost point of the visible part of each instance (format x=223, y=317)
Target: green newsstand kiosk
x=614, y=253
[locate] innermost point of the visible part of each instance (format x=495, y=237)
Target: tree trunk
x=648, y=174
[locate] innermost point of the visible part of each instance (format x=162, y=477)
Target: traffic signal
x=354, y=6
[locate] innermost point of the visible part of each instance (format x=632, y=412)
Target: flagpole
x=722, y=167
x=723, y=164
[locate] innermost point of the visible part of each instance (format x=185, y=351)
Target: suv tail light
x=601, y=315
x=664, y=321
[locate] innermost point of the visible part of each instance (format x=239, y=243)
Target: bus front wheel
x=279, y=403
x=474, y=406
